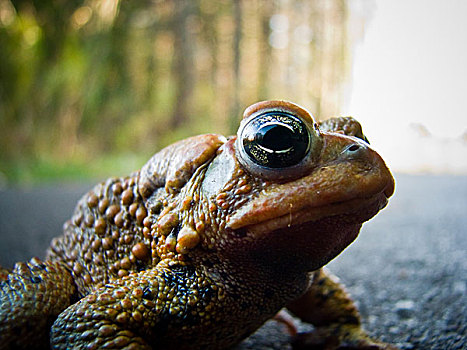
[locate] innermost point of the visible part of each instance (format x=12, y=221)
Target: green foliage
x=87, y=85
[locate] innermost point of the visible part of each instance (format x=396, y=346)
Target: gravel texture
x=407, y=270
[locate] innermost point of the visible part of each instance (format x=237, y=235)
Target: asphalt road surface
x=407, y=270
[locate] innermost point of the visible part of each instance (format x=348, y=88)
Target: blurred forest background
x=93, y=88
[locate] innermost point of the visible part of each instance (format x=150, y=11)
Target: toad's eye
x=275, y=140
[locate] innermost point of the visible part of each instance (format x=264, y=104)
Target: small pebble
x=405, y=308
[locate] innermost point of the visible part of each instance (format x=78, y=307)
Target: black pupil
x=275, y=137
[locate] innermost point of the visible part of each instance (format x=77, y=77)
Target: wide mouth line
x=309, y=214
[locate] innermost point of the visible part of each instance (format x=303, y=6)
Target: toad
x=211, y=238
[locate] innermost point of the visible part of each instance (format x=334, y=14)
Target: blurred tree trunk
x=183, y=61
x=209, y=17
x=237, y=41
x=264, y=50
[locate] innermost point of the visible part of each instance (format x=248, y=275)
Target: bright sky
x=410, y=80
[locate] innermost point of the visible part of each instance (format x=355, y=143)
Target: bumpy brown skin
x=198, y=249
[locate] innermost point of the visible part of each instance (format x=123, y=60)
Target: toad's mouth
x=354, y=212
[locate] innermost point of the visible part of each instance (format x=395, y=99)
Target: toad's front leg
x=157, y=308
x=330, y=309
x=123, y=314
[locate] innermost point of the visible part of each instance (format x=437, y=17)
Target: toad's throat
x=357, y=210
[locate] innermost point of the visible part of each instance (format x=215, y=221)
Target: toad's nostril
x=354, y=151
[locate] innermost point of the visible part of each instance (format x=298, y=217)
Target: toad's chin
x=321, y=241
